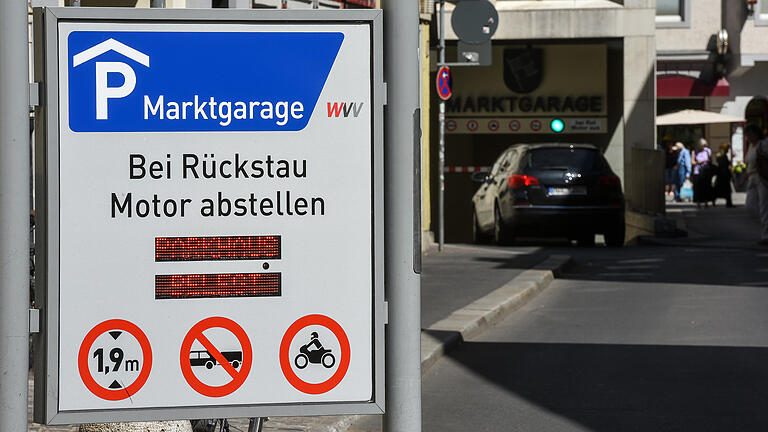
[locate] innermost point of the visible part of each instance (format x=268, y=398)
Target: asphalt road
x=607, y=356
x=645, y=338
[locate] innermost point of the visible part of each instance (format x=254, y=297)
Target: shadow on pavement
x=675, y=264
x=620, y=387
x=720, y=249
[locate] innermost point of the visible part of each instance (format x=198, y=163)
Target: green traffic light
x=557, y=125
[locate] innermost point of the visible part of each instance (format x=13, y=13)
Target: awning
x=688, y=117
x=679, y=86
x=364, y=3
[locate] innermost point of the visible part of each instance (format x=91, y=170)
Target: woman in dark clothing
x=723, y=176
x=669, y=169
x=702, y=174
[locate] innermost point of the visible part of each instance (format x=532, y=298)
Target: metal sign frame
x=47, y=141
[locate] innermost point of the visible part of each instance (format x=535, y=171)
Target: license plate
x=573, y=190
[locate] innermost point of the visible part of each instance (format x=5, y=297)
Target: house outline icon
x=110, y=45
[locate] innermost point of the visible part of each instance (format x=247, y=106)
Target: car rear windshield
x=565, y=158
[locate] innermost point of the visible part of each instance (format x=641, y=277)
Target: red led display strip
x=217, y=248
x=184, y=286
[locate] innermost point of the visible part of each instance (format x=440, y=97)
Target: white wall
x=744, y=87
x=706, y=20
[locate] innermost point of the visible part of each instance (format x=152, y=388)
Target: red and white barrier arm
x=467, y=169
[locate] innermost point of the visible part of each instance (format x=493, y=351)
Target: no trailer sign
x=210, y=206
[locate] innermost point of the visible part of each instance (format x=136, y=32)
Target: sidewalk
x=465, y=289
x=718, y=227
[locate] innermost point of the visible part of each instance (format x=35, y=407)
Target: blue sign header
x=196, y=81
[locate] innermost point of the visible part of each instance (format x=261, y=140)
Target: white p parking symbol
x=103, y=91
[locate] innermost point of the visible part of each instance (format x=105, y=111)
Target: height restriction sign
x=206, y=181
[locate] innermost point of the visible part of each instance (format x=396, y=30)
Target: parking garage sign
x=207, y=183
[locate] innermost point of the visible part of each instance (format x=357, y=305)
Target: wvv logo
x=103, y=68
x=336, y=109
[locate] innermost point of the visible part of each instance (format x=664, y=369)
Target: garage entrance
x=535, y=91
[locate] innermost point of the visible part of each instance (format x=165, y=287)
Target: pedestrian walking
x=670, y=166
x=701, y=159
x=723, y=176
x=683, y=171
x=757, y=185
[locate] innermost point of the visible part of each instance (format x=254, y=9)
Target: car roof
x=534, y=146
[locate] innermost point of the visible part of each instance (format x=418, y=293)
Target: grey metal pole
x=441, y=150
x=402, y=207
x=255, y=424
x=157, y=3
x=14, y=213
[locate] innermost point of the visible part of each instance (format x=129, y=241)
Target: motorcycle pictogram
x=318, y=355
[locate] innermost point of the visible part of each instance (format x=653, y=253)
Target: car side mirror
x=479, y=177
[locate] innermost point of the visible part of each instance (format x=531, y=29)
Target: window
x=673, y=13
x=761, y=13
x=566, y=158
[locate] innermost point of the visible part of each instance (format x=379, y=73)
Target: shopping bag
x=686, y=192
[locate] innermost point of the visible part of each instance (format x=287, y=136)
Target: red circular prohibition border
x=449, y=92
x=285, y=360
x=186, y=347
x=85, y=348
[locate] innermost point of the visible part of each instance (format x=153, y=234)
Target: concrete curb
x=473, y=319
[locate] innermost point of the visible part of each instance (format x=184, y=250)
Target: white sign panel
x=215, y=223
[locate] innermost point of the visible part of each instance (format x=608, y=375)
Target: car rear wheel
x=501, y=233
x=614, y=236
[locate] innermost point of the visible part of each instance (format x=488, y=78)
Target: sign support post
x=441, y=150
x=402, y=215
x=491, y=27
x=14, y=212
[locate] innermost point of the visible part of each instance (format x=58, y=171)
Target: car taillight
x=516, y=181
x=609, y=180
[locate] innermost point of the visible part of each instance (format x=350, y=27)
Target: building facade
x=713, y=56
x=237, y=4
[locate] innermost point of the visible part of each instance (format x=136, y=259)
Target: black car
x=563, y=190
